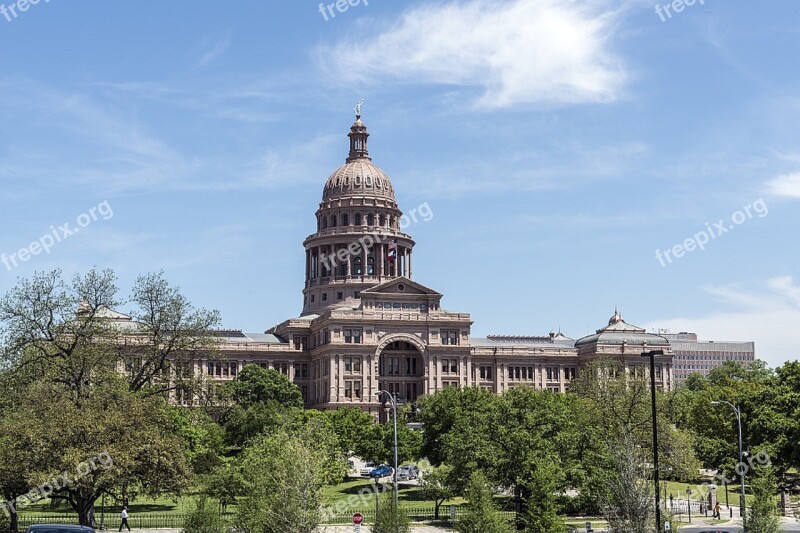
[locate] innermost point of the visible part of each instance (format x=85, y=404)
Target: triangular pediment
x=401, y=285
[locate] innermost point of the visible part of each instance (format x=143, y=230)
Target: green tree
x=437, y=486
x=762, y=516
x=257, y=385
x=205, y=519
x=203, y=439
x=459, y=429
x=481, y=514
x=69, y=333
x=225, y=484
x=114, y=442
x=391, y=519
x=284, y=474
x=543, y=511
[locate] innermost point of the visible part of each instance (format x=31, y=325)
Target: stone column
x=409, y=264
x=380, y=261
x=561, y=378
x=364, y=256
x=332, y=382
x=364, y=377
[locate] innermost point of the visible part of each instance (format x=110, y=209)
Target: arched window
x=357, y=267
x=370, y=219
x=382, y=220
x=345, y=220
x=333, y=221
x=324, y=222
x=358, y=219
x=370, y=266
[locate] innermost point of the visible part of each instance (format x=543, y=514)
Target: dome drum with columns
x=367, y=326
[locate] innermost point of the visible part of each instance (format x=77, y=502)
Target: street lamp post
x=652, y=355
x=738, y=413
x=689, y=503
x=394, y=409
x=727, y=503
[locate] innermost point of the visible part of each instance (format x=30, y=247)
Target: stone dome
x=357, y=178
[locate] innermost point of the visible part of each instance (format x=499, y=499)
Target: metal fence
x=136, y=521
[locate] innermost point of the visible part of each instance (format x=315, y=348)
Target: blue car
x=382, y=471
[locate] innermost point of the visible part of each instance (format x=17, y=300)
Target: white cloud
x=517, y=52
x=219, y=48
x=767, y=314
x=785, y=185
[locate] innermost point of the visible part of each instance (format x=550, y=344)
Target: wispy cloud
x=785, y=185
x=219, y=48
x=517, y=52
x=767, y=313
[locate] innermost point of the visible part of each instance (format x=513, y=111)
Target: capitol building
x=368, y=324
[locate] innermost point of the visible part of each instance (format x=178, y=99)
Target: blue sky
x=559, y=144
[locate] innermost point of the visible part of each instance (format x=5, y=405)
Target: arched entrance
x=401, y=368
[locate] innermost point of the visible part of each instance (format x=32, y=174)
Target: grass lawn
x=159, y=506
x=360, y=491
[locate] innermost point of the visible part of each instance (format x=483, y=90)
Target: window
x=357, y=266
x=370, y=266
x=391, y=366
x=449, y=337
x=486, y=372
x=301, y=342
x=339, y=295
x=333, y=221
x=324, y=296
x=449, y=366
x=345, y=220
x=358, y=219
x=352, y=336
x=352, y=389
x=382, y=220
x=370, y=219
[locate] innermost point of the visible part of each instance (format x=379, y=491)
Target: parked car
x=406, y=472
x=58, y=528
x=366, y=469
x=382, y=471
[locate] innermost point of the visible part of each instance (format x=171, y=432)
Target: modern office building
x=690, y=355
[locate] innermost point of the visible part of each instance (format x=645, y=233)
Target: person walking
x=124, y=516
x=717, y=511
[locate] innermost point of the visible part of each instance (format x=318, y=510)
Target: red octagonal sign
x=358, y=518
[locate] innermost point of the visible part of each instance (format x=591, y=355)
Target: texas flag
x=392, y=255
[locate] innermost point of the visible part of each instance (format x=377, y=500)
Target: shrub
x=206, y=518
x=391, y=519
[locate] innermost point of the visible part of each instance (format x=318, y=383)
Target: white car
x=367, y=468
x=407, y=472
